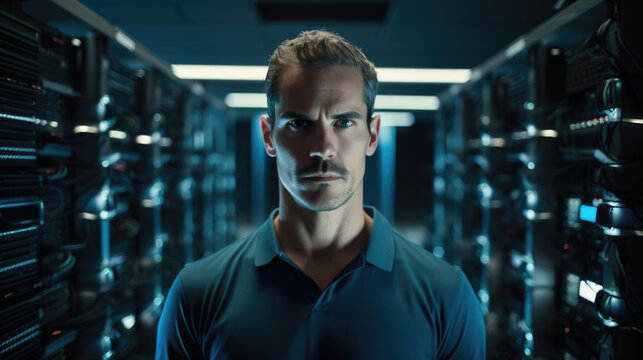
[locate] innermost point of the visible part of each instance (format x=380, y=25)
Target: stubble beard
x=316, y=199
x=334, y=203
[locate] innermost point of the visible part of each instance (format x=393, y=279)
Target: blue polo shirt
x=250, y=301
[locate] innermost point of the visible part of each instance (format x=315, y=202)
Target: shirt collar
x=267, y=245
x=380, y=251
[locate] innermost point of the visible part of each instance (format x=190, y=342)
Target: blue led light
x=588, y=213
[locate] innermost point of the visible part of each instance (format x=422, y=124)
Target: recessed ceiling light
x=382, y=102
x=384, y=75
x=394, y=118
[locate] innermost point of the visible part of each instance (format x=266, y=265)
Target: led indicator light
x=588, y=213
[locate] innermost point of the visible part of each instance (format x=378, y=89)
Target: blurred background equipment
x=98, y=142
x=542, y=153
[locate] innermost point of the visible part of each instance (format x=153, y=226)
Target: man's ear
x=266, y=131
x=374, y=134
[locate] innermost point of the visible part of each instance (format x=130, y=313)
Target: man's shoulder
x=212, y=268
x=425, y=266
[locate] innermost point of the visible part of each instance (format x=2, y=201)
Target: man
x=323, y=277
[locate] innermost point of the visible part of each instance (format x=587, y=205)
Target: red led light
x=566, y=246
x=57, y=332
x=566, y=330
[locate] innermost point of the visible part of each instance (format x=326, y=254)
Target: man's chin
x=322, y=202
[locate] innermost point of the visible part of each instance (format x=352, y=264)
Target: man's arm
x=464, y=332
x=175, y=337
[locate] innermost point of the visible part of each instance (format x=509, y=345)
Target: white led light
x=588, y=290
x=403, y=119
x=485, y=190
x=144, y=139
x=410, y=75
x=530, y=214
x=382, y=102
x=85, y=129
x=88, y=216
x=532, y=198
x=156, y=136
x=220, y=72
x=406, y=102
x=531, y=130
x=246, y=100
x=384, y=75
x=54, y=124
x=117, y=134
x=150, y=203
x=548, y=133
x=485, y=139
x=482, y=240
x=128, y=321
x=103, y=125
x=76, y=42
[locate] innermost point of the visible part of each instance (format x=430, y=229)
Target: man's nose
x=323, y=144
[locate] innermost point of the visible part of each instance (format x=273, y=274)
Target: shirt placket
x=322, y=322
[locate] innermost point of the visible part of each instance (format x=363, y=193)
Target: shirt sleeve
x=464, y=332
x=175, y=337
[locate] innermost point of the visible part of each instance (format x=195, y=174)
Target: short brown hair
x=318, y=49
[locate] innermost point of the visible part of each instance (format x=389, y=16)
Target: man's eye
x=298, y=124
x=344, y=123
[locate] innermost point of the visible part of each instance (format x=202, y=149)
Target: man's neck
x=320, y=238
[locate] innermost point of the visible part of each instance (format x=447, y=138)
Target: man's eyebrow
x=348, y=115
x=294, y=115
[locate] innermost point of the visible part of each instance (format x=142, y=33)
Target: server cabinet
x=102, y=148
x=539, y=158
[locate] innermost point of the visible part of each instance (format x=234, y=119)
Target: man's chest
x=357, y=317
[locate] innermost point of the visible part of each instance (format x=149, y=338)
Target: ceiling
x=411, y=33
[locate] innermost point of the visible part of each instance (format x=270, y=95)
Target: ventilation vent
x=322, y=11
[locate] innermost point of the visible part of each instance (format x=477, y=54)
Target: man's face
x=320, y=135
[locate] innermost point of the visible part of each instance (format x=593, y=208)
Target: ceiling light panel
x=382, y=102
x=384, y=75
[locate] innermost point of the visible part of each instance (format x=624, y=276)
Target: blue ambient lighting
x=587, y=213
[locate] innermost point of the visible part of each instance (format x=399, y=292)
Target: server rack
x=538, y=167
x=99, y=142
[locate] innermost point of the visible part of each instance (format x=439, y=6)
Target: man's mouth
x=321, y=177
